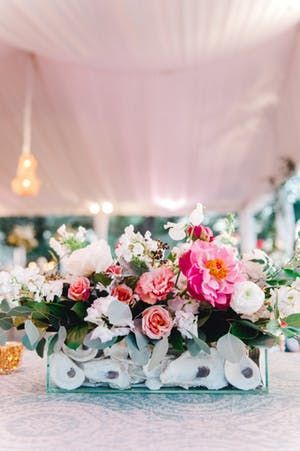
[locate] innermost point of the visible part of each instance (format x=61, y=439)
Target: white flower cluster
x=258, y=266
x=68, y=241
x=287, y=299
x=98, y=314
x=28, y=281
x=185, y=320
x=134, y=245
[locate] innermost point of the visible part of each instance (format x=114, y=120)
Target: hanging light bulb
x=26, y=182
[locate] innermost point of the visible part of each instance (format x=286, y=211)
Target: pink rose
x=114, y=270
x=155, y=285
x=156, y=322
x=200, y=233
x=80, y=290
x=123, y=293
x=211, y=272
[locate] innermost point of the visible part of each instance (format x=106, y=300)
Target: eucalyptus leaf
x=2, y=338
x=159, y=353
x=201, y=344
x=28, y=345
x=141, y=341
x=4, y=306
x=20, y=310
x=231, y=348
x=139, y=356
x=192, y=347
x=119, y=314
x=32, y=332
x=273, y=327
x=6, y=323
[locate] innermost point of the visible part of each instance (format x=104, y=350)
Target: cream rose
x=247, y=298
x=95, y=257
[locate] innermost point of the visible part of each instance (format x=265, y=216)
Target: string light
x=107, y=207
x=26, y=182
x=94, y=208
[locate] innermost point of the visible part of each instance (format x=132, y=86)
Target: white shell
x=244, y=375
x=153, y=381
x=80, y=354
x=107, y=371
x=203, y=370
x=64, y=373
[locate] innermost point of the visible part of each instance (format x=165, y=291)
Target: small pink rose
x=156, y=322
x=115, y=270
x=123, y=293
x=80, y=290
x=155, y=285
x=200, y=232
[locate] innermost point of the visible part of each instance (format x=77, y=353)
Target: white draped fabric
x=152, y=105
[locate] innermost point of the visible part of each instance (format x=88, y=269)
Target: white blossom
x=287, y=300
x=247, y=298
x=95, y=257
x=186, y=323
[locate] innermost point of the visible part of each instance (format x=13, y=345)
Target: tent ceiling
x=149, y=105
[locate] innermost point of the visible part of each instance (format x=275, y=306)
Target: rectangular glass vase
x=260, y=357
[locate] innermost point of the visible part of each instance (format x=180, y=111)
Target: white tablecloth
x=31, y=419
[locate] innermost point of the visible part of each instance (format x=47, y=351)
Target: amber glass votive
x=10, y=356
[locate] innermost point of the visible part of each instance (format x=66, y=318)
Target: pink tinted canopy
x=151, y=105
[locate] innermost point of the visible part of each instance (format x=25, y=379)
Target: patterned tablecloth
x=31, y=419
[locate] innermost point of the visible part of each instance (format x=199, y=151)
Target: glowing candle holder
x=10, y=356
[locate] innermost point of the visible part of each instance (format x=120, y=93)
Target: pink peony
x=200, y=232
x=211, y=272
x=155, y=285
x=123, y=293
x=156, y=322
x=80, y=290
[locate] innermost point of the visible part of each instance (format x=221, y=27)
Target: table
x=31, y=419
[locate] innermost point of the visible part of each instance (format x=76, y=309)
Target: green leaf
x=102, y=278
x=263, y=340
x=76, y=335
x=5, y=323
x=41, y=347
x=26, y=342
x=2, y=338
x=192, y=347
x=138, y=266
x=291, y=273
x=32, y=332
x=201, y=344
x=258, y=260
x=244, y=330
x=231, y=348
x=176, y=340
x=80, y=309
x=51, y=343
x=119, y=314
x=21, y=310
x=293, y=320
x=4, y=306
x=159, y=353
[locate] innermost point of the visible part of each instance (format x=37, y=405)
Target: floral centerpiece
x=192, y=316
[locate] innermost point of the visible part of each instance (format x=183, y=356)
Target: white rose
x=247, y=298
x=287, y=300
x=95, y=257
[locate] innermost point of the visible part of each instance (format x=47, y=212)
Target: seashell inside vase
x=64, y=373
x=80, y=354
x=107, y=371
x=203, y=370
x=244, y=375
